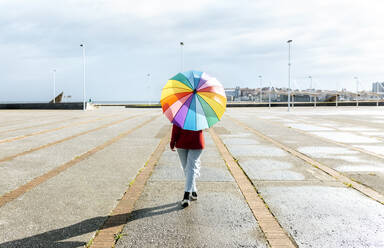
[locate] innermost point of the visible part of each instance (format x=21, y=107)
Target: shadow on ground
x=54, y=238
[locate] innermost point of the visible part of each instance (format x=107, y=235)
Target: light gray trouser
x=190, y=161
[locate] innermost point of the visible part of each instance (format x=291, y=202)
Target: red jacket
x=186, y=139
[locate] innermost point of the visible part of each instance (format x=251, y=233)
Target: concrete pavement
x=219, y=218
x=311, y=205
x=62, y=173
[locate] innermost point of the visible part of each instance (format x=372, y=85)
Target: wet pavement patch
x=255, y=150
x=318, y=215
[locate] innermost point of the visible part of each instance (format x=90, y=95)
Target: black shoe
x=185, y=201
x=194, y=196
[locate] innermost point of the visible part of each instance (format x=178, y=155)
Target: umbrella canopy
x=193, y=100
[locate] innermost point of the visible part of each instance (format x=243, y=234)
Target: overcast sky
x=234, y=41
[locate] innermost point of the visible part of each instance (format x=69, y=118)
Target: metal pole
x=261, y=90
x=357, y=91
x=269, y=97
x=182, y=55
x=149, y=87
x=54, y=86
x=315, y=102
x=310, y=96
x=289, y=74
x=313, y=98
x=293, y=100
x=337, y=104
x=377, y=94
x=83, y=46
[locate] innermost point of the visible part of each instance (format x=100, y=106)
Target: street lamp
x=54, y=86
x=261, y=89
x=357, y=91
x=83, y=46
x=289, y=74
x=310, y=96
x=269, y=95
x=149, y=87
x=182, y=55
x=377, y=94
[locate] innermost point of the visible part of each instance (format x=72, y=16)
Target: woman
x=190, y=145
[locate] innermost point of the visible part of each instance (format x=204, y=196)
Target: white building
x=378, y=87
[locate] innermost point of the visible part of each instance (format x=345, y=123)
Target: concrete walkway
x=219, y=218
x=63, y=175
x=67, y=210
x=312, y=206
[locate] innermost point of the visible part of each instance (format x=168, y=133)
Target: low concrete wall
x=254, y=104
x=304, y=104
x=143, y=106
x=67, y=105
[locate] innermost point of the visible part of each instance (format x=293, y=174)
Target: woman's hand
x=172, y=147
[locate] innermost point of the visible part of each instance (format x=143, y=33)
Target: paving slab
x=326, y=152
x=316, y=210
x=27, y=143
x=66, y=210
x=33, y=128
x=24, y=119
x=22, y=169
x=323, y=216
x=219, y=218
x=264, y=161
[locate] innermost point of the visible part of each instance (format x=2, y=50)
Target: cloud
x=233, y=40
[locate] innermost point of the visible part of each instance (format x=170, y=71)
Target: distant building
x=378, y=87
x=302, y=97
x=233, y=93
x=276, y=94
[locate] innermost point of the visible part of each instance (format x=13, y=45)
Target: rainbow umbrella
x=193, y=100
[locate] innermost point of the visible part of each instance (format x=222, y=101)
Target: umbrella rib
x=193, y=100
x=172, y=99
x=179, y=88
x=202, y=118
x=195, y=95
x=218, y=105
x=181, y=108
x=191, y=109
x=174, y=81
x=200, y=98
x=191, y=83
x=184, y=78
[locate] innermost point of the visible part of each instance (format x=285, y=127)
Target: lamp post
x=261, y=89
x=310, y=86
x=357, y=91
x=54, y=86
x=269, y=97
x=289, y=74
x=182, y=55
x=337, y=100
x=377, y=94
x=149, y=86
x=83, y=46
